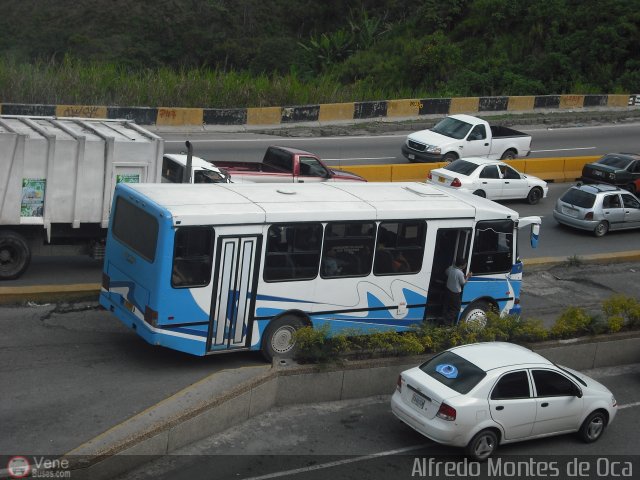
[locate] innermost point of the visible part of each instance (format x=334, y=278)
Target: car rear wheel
x=482, y=445
x=593, y=427
x=480, y=193
x=535, y=194
x=601, y=229
x=631, y=188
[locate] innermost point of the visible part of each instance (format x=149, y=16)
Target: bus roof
x=220, y=204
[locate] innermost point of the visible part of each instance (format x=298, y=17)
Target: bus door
x=234, y=292
x=451, y=243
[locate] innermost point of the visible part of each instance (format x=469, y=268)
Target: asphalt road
x=359, y=439
x=384, y=148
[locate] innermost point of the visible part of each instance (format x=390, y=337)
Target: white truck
x=458, y=136
x=57, y=177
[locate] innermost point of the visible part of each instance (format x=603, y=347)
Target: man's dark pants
x=451, y=306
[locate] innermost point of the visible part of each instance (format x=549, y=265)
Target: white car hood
x=431, y=138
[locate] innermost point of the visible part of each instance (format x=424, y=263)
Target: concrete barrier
x=556, y=169
x=129, y=444
x=334, y=112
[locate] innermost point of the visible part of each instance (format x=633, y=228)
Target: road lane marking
x=322, y=466
x=564, y=149
x=629, y=405
x=287, y=139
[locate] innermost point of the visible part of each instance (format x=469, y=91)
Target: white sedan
x=481, y=395
x=491, y=179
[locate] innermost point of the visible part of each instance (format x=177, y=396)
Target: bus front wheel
x=278, y=340
x=476, y=314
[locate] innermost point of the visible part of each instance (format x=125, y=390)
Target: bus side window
x=348, y=249
x=292, y=252
x=399, y=247
x=192, y=257
x=492, y=247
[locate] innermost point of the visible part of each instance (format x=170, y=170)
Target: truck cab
x=173, y=166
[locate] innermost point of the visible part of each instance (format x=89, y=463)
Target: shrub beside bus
x=217, y=268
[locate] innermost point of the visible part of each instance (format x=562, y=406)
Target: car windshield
x=453, y=128
x=616, y=162
x=462, y=167
x=453, y=371
x=579, y=198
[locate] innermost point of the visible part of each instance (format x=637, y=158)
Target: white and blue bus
x=226, y=267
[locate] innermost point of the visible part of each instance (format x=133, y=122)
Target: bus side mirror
x=535, y=234
x=535, y=228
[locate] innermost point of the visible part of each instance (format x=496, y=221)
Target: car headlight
x=612, y=176
x=433, y=149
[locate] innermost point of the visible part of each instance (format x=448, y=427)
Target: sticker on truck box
x=32, y=197
x=128, y=178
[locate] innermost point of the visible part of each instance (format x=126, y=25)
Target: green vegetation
x=240, y=53
x=620, y=312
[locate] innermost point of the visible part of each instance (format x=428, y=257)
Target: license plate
x=570, y=211
x=418, y=400
x=411, y=156
x=598, y=173
x=441, y=179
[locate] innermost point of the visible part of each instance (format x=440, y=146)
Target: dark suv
x=619, y=169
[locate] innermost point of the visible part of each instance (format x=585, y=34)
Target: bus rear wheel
x=278, y=340
x=15, y=255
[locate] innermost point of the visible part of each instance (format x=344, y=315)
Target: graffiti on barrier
x=81, y=111
x=166, y=113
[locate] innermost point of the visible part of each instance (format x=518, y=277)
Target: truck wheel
x=509, y=155
x=15, y=255
x=449, y=157
x=278, y=340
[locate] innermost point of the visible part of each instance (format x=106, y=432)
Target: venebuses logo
x=18, y=467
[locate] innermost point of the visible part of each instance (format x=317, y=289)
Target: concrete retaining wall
x=287, y=385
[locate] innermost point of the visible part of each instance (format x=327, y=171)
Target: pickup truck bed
x=285, y=164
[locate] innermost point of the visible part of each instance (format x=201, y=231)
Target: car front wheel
x=535, y=194
x=593, y=427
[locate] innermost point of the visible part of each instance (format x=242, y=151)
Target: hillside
x=224, y=53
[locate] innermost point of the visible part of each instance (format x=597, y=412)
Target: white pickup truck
x=459, y=136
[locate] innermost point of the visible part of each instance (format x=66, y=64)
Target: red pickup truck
x=284, y=164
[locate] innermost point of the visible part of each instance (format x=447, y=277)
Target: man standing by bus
x=456, y=279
